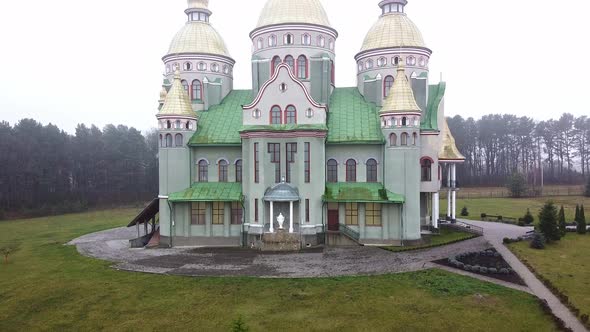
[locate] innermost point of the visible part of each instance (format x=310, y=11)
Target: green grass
x=515, y=208
x=446, y=236
x=49, y=286
x=565, y=264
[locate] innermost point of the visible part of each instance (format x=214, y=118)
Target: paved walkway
x=495, y=233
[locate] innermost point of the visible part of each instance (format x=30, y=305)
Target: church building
x=296, y=158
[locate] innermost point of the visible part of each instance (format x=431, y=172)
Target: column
x=449, y=196
x=435, y=209
x=291, y=217
x=454, y=181
x=272, y=227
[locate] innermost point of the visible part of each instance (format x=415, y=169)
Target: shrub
x=582, y=221
x=483, y=216
x=528, y=217
x=483, y=270
x=493, y=270
x=464, y=212
x=507, y=240
x=239, y=325
x=8, y=249
x=584, y=318
x=516, y=185
x=548, y=222
x=577, y=215
x=538, y=242
x=521, y=223
x=500, y=218
x=561, y=222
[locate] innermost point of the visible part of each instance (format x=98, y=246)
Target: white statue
x=281, y=220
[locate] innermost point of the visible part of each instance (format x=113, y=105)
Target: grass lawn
x=49, y=286
x=515, y=208
x=446, y=236
x=565, y=264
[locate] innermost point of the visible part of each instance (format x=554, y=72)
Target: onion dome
x=177, y=102
x=393, y=29
x=293, y=11
x=198, y=36
x=401, y=96
x=448, y=150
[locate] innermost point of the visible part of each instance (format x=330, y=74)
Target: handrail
x=351, y=233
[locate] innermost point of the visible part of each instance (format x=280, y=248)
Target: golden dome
x=198, y=37
x=401, y=97
x=177, y=101
x=293, y=11
x=393, y=30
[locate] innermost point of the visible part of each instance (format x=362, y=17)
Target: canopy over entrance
x=360, y=193
x=282, y=192
x=209, y=192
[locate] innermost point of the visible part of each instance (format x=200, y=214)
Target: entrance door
x=333, y=223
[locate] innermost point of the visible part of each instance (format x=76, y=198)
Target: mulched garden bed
x=489, y=258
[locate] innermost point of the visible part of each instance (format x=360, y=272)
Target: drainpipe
x=242, y=242
x=402, y=223
x=171, y=222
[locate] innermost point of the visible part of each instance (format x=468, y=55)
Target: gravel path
x=495, y=233
x=112, y=245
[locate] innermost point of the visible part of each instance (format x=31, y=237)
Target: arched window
x=168, y=124
x=321, y=41
x=422, y=62
x=411, y=61
x=414, y=139
x=188, y=125
x=404, y=121
x=272, y=41
x=275, y=115
x=306, y=39
x=168, y=140
x=187, y=66
x=332, y=171
x=290, y=115
x=404, y=139
x=351, y=170
x=215, y=67
x=387, y=85
x=396, y=60
x=260, y=43
x=290, y=61
x=426, y=165
x=288, y=39
x=371, y=170
x=302, y=67
x=393, y=139
x=239, y=165
x=369, y=64
x=202, y=66
x=185, y=86
x=178, y=141
x=177, y=125
x=276, y=61
x=203, y=171
x=381, y=62
x=226, y=69
x=223, y=165
x=197, y=90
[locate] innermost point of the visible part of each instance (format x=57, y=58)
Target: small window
x=218, y=213
x=223, y=166
x=422, y=62
x=288, y=39
x=256, y=114
x=178, y=141
x=202, y=66
x=332, y=171
x=373, y=214
x=331, y=44
x=396, y=60
x=215, y=68
x=351, y=170
x=237, y=213
x=369, y=64
x=321, y=41
x=290, y=61
x=306, y=39
x=260, y=43
x=168, y=124
x=290, y=115
x=352, y=214
x=226, y=69
x=382, y=62
x=404, y=139
x=203, y=171
x=168, y=140
x=275, y=115
x=272, y=41
x=393, y=139
x=361, y=66
x=188, y=66
x=426, y=165
x=371, y=170
x=239, y=167
x=177, y=124
x=198, y=212
x=404, y=121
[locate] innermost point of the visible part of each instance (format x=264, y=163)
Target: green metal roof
x=221, y=124
x=360, y=193
x=209, y=192
x=436, y=94
x=287, y=127
x=352, y=119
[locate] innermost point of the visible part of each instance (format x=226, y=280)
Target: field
x=565, y=264
x=515, y=208
x=49, y=286
x=503, y=192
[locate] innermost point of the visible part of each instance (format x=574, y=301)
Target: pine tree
x=562, y=224
x=548, y=222
x=581, y=221
x=528, y=217
x=577, y=215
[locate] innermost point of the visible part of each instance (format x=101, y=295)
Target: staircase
x=344, y=237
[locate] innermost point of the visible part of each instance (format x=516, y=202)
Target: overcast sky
x=99, y=62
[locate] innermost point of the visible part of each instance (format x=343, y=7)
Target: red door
x=333, y=220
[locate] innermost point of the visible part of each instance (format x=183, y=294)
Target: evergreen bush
x=528, y=217
x=516, y=185
x=464, y=212
x=239, y=325
x=581, y=221
x=548, y=222
x=561, y=222
x=538, y=242
x=577, y=214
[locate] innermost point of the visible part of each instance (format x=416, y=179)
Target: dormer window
x=288, y=39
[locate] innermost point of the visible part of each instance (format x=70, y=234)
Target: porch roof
x=344, y=192
x=209, y=192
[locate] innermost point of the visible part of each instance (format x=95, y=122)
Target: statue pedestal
x=280, y=241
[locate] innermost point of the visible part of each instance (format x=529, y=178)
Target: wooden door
x=333, y=222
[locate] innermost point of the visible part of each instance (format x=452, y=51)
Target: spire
x=392, y=6
x=448, y=149
x=177, y=101
x=401, y=97
x=198, y=10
